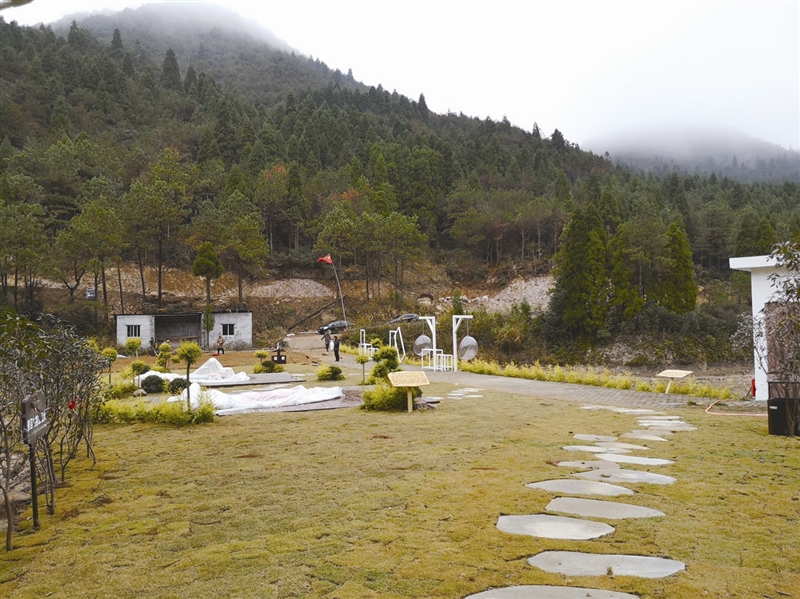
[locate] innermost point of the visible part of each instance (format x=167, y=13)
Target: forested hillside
x=126, y=144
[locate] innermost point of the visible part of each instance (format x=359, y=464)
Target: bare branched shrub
x=49, y=357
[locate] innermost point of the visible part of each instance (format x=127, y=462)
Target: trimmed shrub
x=385, y=398
x=177, y=385
x=153, y=384
x=160, y=413
x=120, y=390
x=386, y=361
x=139, y=367
x=267, y=367
x=329, y=373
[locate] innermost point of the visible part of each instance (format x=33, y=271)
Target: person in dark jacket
x=336, y=347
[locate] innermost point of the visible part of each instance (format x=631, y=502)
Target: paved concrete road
x=580, y=394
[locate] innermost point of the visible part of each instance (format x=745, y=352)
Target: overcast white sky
x=587, y=68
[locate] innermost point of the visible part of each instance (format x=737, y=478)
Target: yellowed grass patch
x=351, y=504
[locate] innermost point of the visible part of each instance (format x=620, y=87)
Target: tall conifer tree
x=171, y=73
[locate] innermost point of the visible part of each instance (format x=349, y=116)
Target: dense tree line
x=110, y=153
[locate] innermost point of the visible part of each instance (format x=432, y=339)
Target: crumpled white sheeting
x=210, y=372
x=226, y=404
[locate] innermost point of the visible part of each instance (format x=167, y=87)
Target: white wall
x=760, y=269
x=242, y=328
x=146, y=323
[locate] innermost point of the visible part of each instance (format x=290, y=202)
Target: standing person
x=221, y=345
x=327, y=339
x=153, y=348
x=336, y=347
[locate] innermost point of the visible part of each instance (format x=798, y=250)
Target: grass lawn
x=350, y=504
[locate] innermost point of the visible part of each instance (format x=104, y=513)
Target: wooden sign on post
x=408, y=379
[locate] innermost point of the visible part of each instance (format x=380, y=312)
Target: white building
x=235, y=327
x=763, y=290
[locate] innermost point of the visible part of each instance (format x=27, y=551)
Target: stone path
x=606, y=468
x=580, y=487
x=582, y=564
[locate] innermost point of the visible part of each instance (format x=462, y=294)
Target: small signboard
x=409, y=379
x=673, y=375
x=34, y=418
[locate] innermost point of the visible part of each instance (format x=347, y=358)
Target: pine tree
x=207, y=265
x=579, y=301
x=171, y=73
x=60, y=123
x=422, y=108
x=676, y=290
x=191, y=79
x=625, y=299
x=116, y=51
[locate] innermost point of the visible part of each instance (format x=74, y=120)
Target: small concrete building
x=235, y=327
x=761, y=268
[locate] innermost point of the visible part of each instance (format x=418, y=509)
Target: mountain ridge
x=701, y=150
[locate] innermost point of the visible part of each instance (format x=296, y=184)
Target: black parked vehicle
x=404, y=318
x=337, y=326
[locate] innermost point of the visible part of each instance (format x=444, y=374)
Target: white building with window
x=235, y=327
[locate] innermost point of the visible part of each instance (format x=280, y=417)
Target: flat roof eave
x=750, y=263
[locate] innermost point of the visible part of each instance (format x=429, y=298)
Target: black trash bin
x=784, y=416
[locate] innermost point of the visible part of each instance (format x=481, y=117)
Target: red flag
x=326, y=259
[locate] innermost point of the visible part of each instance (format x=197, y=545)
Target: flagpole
x=328, y=260
x=341, y=297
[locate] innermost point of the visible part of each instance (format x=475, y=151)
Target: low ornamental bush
x=385, y=398
x=173, y=413
x=153, y=384
x=177, y=385
x=267, y=367
x=139, y=367
x=120, y=390
x=329, y=373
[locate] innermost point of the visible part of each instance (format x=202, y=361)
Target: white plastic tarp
x=210, y=372
x=226, y=404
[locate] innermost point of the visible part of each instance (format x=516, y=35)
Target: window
x=134, y=330
x=227, y=330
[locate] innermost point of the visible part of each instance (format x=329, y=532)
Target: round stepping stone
x=663, y=417
x=573, y=563
x=674, y=429
x=668, y=426
x=633, y=459
x=553, y=527
x=472, y=396
x=618, y=445
x=548, y=592
x=625, y=476
x=593, y=508
x=642, y=436
x=665, y=424
x=583, y=437
x=634, y=411
x=580, y=487
x=593, y=449
x=649, y=432
x=594, y=464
